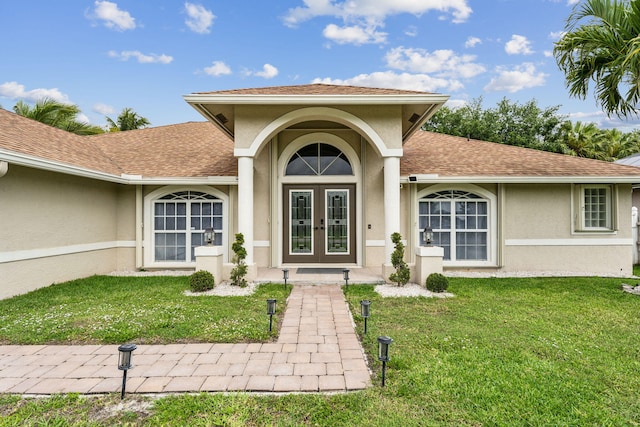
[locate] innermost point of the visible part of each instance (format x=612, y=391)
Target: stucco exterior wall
x=261, y=211
x=54, y=227
x=539, y=233
x=373, y=188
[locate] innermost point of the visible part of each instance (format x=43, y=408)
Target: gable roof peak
x=315, y=89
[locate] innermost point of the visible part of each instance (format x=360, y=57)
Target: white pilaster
x=391, y=202
x=245, y=204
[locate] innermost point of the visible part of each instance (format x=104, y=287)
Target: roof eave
x=202, y=98
x=509, y=179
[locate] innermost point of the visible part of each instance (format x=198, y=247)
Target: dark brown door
x=319, y=223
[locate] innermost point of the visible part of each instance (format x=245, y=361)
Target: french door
x=319, y=223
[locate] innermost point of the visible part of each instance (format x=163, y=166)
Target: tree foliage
x=127, y=120
x=527, y=125
x=56, y=114
x=602, y=45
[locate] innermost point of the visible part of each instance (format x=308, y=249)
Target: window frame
x=611, y=203
x=149, y=229
x=492, y=221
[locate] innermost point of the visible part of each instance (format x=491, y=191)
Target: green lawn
x=503, y=352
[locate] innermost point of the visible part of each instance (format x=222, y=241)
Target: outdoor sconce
x=124, y=363
x=271, y=310
x=209, y=235
x=428, y=235
x=345, y=276
x=364, y=311
x=285, y=275
x=383, y=353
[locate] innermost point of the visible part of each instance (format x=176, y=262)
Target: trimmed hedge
x=436, y=282
x=201, y=281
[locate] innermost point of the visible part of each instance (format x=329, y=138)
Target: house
x=311, y=175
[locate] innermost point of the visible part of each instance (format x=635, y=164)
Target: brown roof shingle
x=314, y=89
x=445, y=155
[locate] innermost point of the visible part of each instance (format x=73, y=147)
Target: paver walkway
x=317, y=350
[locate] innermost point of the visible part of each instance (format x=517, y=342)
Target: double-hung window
x=595, y=208
x=460, y=222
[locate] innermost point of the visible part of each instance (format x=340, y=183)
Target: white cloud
x=548, y=53
x=200, y=19
x=103, y=109
x=218, y=68
x=443, y=62
x=455, y=103
x=142, y=58
x=523, y=76
x=472, y=42
x=113, y=17
x=356, y=35
x=572, y=2
x=411, y=31
x=556, y=35
x=268, y=72
x=14, y=90
x=350, y=10
x=518, y=45
x=391, y=79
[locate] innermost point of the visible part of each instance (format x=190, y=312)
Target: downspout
x=139, y=226
x=4, y=168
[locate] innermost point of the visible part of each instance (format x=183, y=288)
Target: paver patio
x=317, y=350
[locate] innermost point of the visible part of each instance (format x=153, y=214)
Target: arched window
x=460, y=222
x=319, y=159
x=179, y=220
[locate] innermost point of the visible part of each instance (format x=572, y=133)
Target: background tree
x=602, y=44
x=127, y=120
x=56, y=114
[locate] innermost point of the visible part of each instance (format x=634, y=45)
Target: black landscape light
x=285, y=275
x=364, y=311
x=383, y=353
x=271, y=310
x=124, y=363
x=428, y=235
x=209, y=236
x=345, y=276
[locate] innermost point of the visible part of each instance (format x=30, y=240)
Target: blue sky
x=107, y=55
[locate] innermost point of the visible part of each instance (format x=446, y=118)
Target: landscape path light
x=124, y=363
x=285, y=275
x=364, y=311
x=383, y=353
x=345, y=276
x=271, y=310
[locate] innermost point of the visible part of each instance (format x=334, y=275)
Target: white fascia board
x=52, y=166
x=316, y=99
x=436, y=179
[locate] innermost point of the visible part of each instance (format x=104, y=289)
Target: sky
x=105, y=56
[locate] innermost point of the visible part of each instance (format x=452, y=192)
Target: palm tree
x=602, y=45
x=579, y=138
x=127, y=120
x=612, y=145
x=56, y=114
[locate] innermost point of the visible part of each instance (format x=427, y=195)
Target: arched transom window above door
x=318, y=159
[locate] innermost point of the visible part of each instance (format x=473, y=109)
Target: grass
x=113, y=310
x=503, y=352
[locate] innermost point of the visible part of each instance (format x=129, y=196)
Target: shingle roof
x=436, y=153
x=314, y=89
x=194, y=149
x=32, y=138
x=200, y=149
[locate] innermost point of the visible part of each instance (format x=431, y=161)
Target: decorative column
x=391, y=203
x=245, y=204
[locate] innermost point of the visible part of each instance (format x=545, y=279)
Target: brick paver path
x=317, y=350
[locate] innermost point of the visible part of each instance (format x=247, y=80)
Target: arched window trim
x=201, y=193
x=492, y=208
x=318, y=169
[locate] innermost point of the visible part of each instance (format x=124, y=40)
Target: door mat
x=319, y=271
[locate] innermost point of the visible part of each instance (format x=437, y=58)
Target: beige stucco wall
x=43, y=214
x=373, y=192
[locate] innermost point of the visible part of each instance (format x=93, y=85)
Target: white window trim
x=149, y=235
x=492, y=213
x=578, y=214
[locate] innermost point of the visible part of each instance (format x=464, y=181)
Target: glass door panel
x=301, y=222
x=337, y=214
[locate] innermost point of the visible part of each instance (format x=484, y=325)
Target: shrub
x=240, y=270
x=201, y=281
x=436, y=282
x=402, y=274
